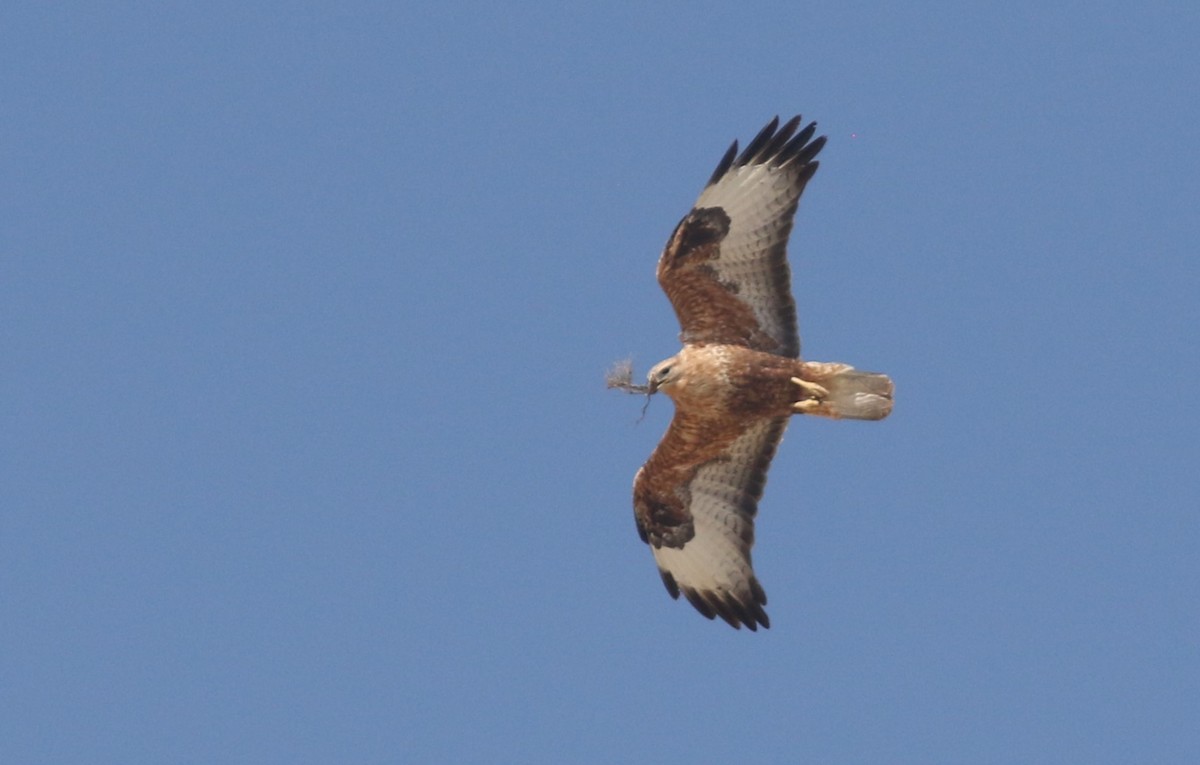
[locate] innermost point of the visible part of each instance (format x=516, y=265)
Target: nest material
x=620, y=376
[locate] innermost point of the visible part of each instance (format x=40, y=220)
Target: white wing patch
x=757, y=199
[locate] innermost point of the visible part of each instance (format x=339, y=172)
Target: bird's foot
x=816, y=396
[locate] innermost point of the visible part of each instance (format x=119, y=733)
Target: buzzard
x=738, y=378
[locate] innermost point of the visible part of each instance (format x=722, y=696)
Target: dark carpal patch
x=701, y=227
x=663, y=524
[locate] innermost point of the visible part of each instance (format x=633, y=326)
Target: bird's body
x=738, y=378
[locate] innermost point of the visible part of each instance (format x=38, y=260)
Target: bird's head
x=667, y=376
x=662, y=375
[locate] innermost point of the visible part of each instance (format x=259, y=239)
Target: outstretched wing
x=694, y=502
x=725, y=267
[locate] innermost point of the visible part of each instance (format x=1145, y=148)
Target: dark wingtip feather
x=734, y=612
x=760, y=595
x=800, y=151
x=778, y=142
x=669, y=583
x=762, y=139
x=725, y=163
x=699, y=602
x=774, y=145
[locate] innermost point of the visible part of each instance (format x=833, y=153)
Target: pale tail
x=856, y=395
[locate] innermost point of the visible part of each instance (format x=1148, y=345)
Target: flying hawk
x=738, y=378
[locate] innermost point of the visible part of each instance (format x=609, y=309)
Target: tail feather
x=856, y=395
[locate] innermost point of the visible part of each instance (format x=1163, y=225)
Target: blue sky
x=306, y=454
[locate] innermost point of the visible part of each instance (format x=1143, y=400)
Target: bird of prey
x=738, y=378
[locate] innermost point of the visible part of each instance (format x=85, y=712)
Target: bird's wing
x=725, y=267
x=694, y=502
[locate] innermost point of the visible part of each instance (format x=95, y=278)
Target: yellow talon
x=812, y=389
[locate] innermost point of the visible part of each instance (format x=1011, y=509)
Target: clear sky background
x=307, y=457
